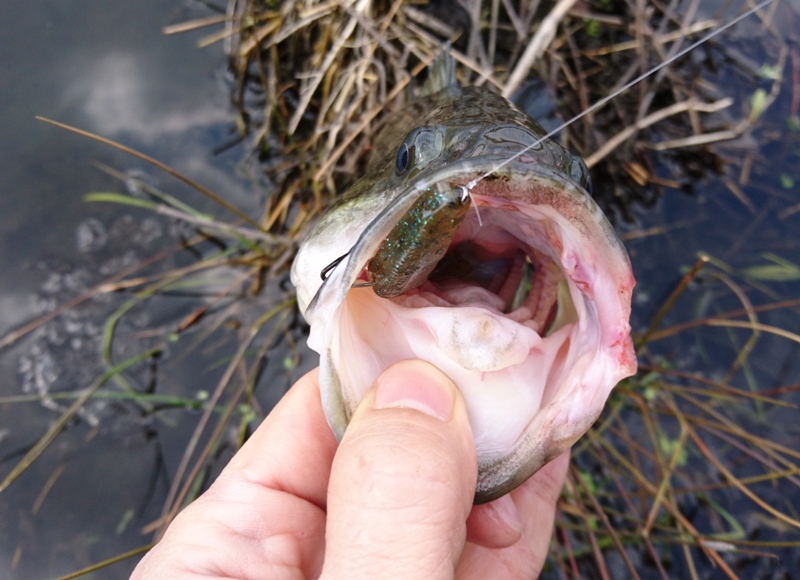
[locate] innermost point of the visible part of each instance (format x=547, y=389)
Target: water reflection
x=107, y=68
x=119, y=97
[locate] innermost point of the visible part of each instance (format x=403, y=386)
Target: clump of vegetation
x=315, y=78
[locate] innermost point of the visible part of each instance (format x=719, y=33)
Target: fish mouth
x=488, y=265
x=527, y=312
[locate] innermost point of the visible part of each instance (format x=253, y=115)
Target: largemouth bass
x=508, y=279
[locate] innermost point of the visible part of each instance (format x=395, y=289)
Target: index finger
x=293, y=448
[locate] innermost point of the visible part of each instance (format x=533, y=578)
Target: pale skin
x=393, y=500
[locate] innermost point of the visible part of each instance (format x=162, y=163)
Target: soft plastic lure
x=418, y=242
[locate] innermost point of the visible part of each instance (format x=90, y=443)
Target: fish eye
x=403, y=159
x=421, y=146
x=580, y=174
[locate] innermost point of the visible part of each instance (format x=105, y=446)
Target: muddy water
x=106, y=68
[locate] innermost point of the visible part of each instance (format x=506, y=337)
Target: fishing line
x=624, y=88
x=466, y=192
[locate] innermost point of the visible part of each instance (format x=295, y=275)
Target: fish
x=513, y=283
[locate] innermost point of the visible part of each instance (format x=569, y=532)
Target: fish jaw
x=530, y=394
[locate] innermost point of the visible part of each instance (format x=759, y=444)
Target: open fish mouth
x=527, y=312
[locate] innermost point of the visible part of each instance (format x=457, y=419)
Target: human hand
x=393, y=500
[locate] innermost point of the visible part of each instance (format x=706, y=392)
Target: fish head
x=527, y=311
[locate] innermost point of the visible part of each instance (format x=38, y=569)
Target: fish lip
x=512, y=468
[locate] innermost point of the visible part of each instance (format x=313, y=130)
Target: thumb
x=403, y=480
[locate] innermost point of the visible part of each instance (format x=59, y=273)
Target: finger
x=536, y=502
x=403, y=479
x=292, y=450
x=264, y=515
x=496, y=524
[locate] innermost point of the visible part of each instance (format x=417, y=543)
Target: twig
x=317, y=76
x=651, y=119
x=191, y=183
x=662, y=312
x=538, y=44
x=248, y=233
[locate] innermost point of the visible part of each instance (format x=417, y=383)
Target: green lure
x=418, y=242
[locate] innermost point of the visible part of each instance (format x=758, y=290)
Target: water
x=107, y=68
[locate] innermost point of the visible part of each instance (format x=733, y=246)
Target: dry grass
x=316, y=76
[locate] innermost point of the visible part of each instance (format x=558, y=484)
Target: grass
x=655, y=485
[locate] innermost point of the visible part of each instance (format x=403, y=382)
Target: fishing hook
x=326, y=271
